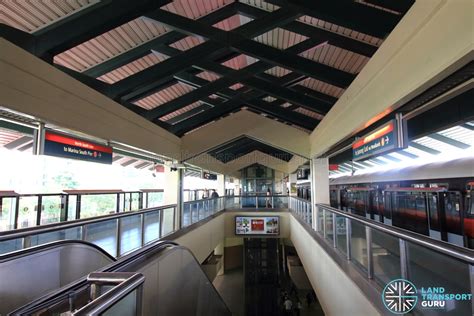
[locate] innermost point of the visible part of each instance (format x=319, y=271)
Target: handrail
x=51, y=245
x=20, y=233
x=448, y=249
x=126, y=282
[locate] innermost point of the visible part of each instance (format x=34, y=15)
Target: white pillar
x=319, y=185
x=170, y=194
x=221, y=184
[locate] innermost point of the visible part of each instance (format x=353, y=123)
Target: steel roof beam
x=307, y=30
x=449, y=141
x=346, y=13
x=89, y=23
x=425, y=148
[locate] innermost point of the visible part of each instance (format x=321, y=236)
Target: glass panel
x=7, y=213
x=155, y=199
x=135, y=201
x=429, y=269
x=51, y=209
x=11, y=245
x=152, y=226
x=329, y=232
x=168, y=221
x=130, y=233
x=195, y=211
x=341, y=230
x=27, y=211
x=386, y=253
x=127, y=306
x=71, y=211
x=70, y=233
x=358, y=244
x=186, y=215
x=96, y=205
x=104, y=235
x=320, y=220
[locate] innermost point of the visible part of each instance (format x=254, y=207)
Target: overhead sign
x=302, y=174
x=387, y=138
x=209, y=176
x=59, y=145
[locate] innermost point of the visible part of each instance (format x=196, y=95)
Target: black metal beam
x=401, y=6
x=346, y=13
x=158, y=43
x=89, y=23
x=242, y=44
x=221, y=83
x=313, y=93
x=313, y=32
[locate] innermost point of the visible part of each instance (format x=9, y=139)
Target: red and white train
x=436, y=199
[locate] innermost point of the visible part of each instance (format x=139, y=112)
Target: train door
x=469, y=217
x=409, y=211
x=454, y=217
x=434, y=211
x=387, y=209
x=377, y=205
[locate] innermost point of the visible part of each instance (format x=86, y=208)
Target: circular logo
x=399, y=296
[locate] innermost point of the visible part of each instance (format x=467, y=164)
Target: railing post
x=334, y=235
x=17, y=212
x=161, y=223
x=117, y=241
x=403, y=259
x=324, y=223
x=370, y=257
x=316, y=217
x=348, y=239
x=38, y=210
x=256, y=201
x=78, y=206
x=273, y=202
x=142, y=227
x=26, y=242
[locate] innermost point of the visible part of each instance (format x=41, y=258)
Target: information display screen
x=257, y=225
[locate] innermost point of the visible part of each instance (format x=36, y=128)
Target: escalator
x=161, y=278
x=30, y=273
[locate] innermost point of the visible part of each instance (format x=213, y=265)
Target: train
x=435, y=199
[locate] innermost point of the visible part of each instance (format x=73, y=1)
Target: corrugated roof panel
x=110, y=44
x=336, y=57
x=280, y=38
x=323, y=87
x=310, y=113
x=340, y=30
x=232, y=22
x=261, y=5
x=164, y=95
x=180, y=111
x=195, y=9
x=236, y=86
x=269, y=99
x=207, y=75
x=31, y=16
x=132, y=68
x=286, y=105
x=460, y=134
x=187, y=43
x=239, y=62
x=278, y=71
x=7, y=136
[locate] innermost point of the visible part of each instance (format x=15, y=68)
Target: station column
x=319, y=185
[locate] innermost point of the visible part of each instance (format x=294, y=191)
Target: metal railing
x=195, y=211
x=384, y=253
x=124, y=297
x=301, y=208
x=257, y=201
x=28, y=210
x=117, y=234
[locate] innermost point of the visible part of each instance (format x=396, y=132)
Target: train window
x=387, y=213
x=433, y=204
x=471, y=207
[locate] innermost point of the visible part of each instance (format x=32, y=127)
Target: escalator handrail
x=36, y=230
x=9, y=256
x=59, y=294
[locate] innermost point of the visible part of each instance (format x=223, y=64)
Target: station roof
x=184, y=64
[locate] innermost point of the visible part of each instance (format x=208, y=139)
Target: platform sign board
x=388, y=137
x=60, y=145
x=257, y=225
x=209, y=176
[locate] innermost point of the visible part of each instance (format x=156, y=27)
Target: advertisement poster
x=249, y=225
